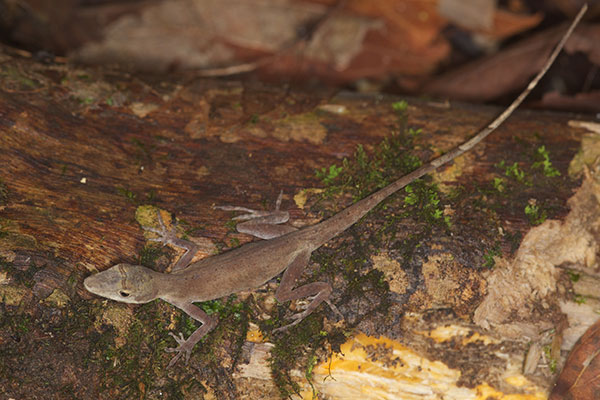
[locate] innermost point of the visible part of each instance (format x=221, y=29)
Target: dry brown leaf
x=507, y=23
x=504, y=72
x=579, y=378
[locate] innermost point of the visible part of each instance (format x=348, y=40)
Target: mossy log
x=82, y=150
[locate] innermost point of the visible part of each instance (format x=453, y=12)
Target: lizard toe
x=174, y=359
x=298, y=317
x=179, y=339
x=183, y=350
x=335, y=310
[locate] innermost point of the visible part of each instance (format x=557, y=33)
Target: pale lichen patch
x=395, y=275
x=12, y=295
x=120, y=317
x=449, y=284
x=4, y=280
x=299, y=128
x=302, y=196
x=141, y=110
x=57, y=299
x=588, y=154
x=202, y=172
x=443, y=177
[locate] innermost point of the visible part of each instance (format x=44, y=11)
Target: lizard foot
x=335, y=310
x=307, y=306
x=254, y=214
x=298, y=317
x=165, y=236
x=261, y=224
x=182, y=350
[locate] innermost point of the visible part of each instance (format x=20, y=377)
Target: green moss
x=22, y=324
x=136, y=365
x=514, y=239
x=535, y=214
x=128, y=194
x=512, y=171
x=366, y=173
x=489, y=255
x=231, y=224
x=525, y=188
x=294, y=347
x=328, y=175
x=16, y=79
x=574, y=276
x=15, y=325
x=498, y=184
x=310, y=365
x=543, y=161
x=579, y=299
x=36, y=333
x=552, y=362
x=421, y=211
x=425, y=200
x=400, y=107
x=187, y=229
x=129, y=364
x=136, y=198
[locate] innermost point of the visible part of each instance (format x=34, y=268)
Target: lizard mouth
x=104, y=284
x=92, y=283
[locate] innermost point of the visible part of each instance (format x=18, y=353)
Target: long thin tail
x=340, y=222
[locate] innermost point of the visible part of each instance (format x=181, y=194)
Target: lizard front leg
x=186, y=345
x=286, y=291
x=262, y=224
x=169, y=236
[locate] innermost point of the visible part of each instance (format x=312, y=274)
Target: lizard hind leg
x=262, y=224
x=320, y=290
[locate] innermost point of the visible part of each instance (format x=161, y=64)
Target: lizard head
x=124, y=282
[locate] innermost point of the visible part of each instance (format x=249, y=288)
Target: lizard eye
x=124, y=293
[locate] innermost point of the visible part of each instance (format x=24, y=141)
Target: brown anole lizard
x=287, y=250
